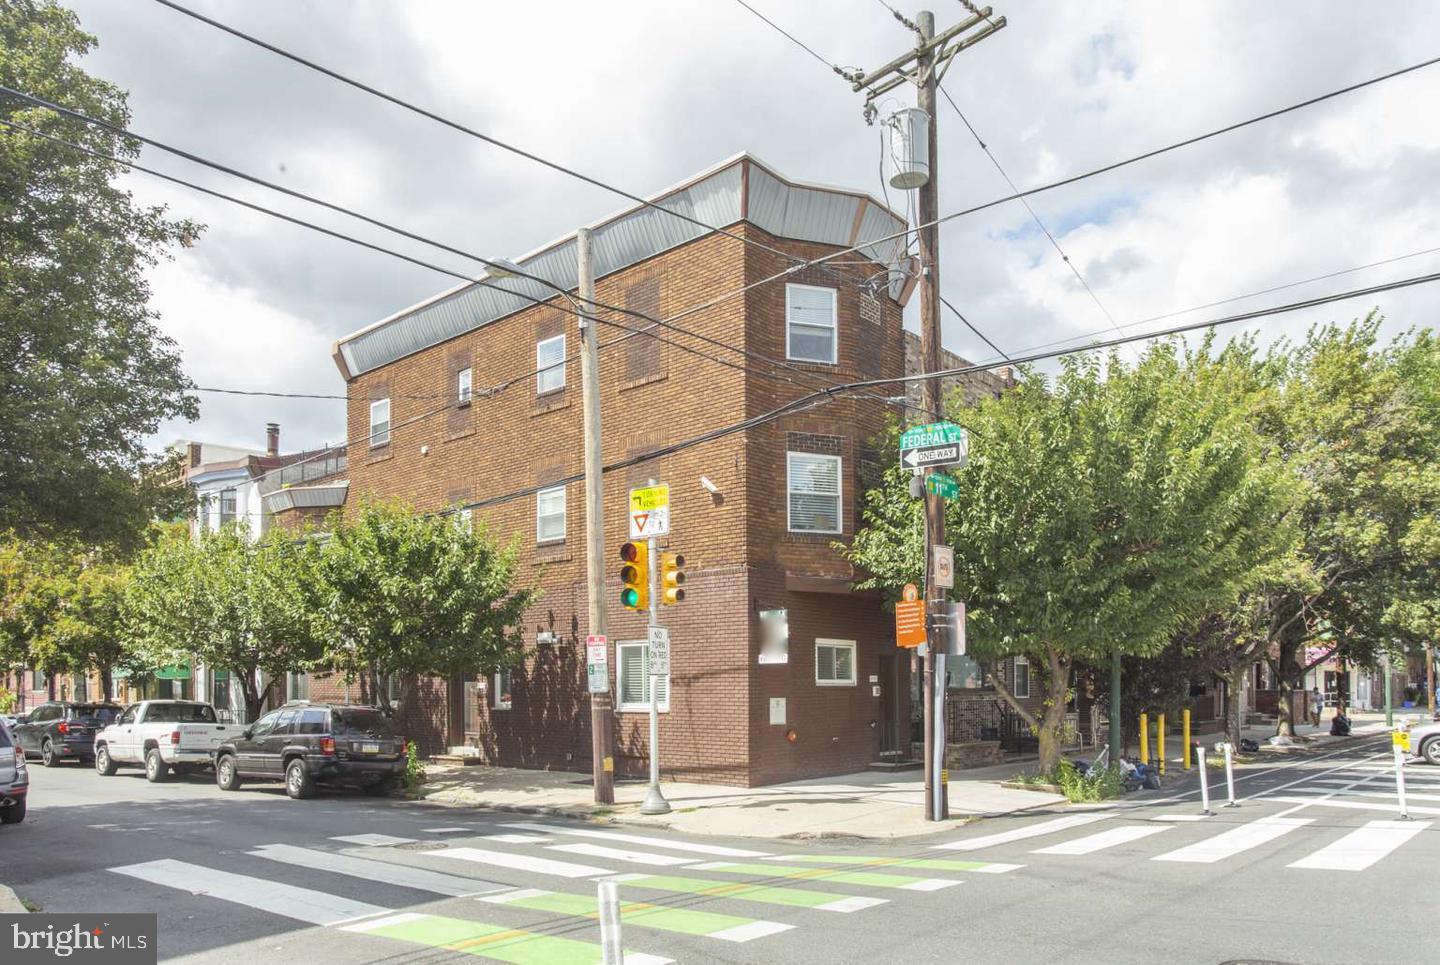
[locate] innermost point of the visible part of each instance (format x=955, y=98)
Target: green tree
x=249, y=607
x=85, y=374
x=1103, y=511
x=88, y=633
x=412, y=594
x=33, y=576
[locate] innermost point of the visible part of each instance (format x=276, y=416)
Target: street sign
x=942, y=567
x=597, y=664
x=910, y=618
x=650, y=511
x=936, y=444
x=660, y=651
x=939, y=484
x=1401, y=739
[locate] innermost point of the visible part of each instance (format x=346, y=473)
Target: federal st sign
x=936, y=444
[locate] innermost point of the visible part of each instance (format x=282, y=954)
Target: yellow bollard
x=1160, y=741
x=1185, y=729
x=1144, y=738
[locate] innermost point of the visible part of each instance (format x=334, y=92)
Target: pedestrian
x=1317, y=704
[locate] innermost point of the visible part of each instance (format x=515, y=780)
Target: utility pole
x=602, y=718
x=923, y=66
x=1389, y=692
x=1430, y=677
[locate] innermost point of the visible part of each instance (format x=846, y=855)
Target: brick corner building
x=758, y=513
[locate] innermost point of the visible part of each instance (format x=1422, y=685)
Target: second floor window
x=227, y=506
x=463, y=387
x=810, y=324
x=379, y=422
x=550, y=364
x=550, y=515
x=814, y=492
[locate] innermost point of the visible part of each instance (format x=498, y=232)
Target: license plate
x=369, y=748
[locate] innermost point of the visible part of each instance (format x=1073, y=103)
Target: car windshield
x=181, y=714
x=97, y=712
x=363, y=723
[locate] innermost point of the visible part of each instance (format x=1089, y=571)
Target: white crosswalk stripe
x=420, y=879
x=641, y=840
x=1104, y=839
x=371, y=840
x=302, y=904
x=1227, y=844
x=1021, y=833
x=522, y=862
x=616, y=854
x=1393, y=806
x=1362, y=847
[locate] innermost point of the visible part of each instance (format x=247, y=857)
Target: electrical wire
x=796, y=41
x=463, y=129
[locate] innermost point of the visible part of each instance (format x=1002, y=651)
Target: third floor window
x=810, y=327
x=549, y=364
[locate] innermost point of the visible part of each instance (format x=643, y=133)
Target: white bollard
x=1230, y=775
x=1204, y=783
x=610, y=946
x=1400, y=782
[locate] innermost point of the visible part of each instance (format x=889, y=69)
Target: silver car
x=1425, y=741
x=14, y=780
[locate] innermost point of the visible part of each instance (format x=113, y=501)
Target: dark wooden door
x=890, y=687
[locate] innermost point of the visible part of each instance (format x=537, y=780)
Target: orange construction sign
x=909, y=623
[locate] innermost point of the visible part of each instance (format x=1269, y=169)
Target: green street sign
x=939, y=484
x=936, y=444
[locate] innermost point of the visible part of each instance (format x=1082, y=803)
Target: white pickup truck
x=163, y=735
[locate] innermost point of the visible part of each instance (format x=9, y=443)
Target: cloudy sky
x=642, y=93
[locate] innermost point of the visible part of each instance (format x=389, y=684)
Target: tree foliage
x=412, y=594
x=1102, y=510
x=85, y=374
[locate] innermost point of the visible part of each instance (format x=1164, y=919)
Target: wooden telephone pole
x=924, y=66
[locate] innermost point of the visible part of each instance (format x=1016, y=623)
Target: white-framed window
x=810, y=329
x=464, y=387
x=379, y=422
x=500, y=698
x=227, y=506
x=550, y=364
x=464, y=520
x=632, y=674
x=835, y=663
x=297, y=686
x=550, y=515
x=1021, y=688
x=814, y=488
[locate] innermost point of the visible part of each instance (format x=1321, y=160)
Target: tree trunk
x=254, y=696
x=1235, y=706
x=1287, y=668
x=107, y=684
x=1052, y=723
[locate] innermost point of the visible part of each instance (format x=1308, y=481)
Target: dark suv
x=305, y=744
x=62, y=730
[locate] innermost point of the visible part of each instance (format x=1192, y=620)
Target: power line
x=455, y=125
x=979, y=334
x=796, y=41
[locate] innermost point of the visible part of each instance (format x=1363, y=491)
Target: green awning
x=181, y=672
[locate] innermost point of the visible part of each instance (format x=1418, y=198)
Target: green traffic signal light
x=630, y=597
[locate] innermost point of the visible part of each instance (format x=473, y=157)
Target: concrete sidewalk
x=869, y=804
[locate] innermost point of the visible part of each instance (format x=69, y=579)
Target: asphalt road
x=1313, y=867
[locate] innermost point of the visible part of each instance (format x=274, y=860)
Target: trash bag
x=1340, y=726
x=1248, y=746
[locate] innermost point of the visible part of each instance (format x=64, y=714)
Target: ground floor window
x=835, y=663
x=297, y=686
x=80, y=687
x=632, y=672
x=500, y=697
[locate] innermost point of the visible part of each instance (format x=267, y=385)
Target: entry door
x=890, y=705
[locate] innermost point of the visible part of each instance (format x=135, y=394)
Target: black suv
x=306, y=743
x=63, y=730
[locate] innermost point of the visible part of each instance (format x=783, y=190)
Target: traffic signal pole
x=654, y=802
x=602, y=717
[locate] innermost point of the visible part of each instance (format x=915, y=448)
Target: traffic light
x=635, y=574
x=672, y=578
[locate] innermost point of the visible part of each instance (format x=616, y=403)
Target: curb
x=10, y=904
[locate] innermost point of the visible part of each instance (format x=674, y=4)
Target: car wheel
x=1431, y=751
x=298, y=782
x=226, y=777
x=14, y=814
x=156, y=770
x=47, y=754
x=380, y=788
x=103, y=764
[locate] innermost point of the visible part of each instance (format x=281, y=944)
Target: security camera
x=710, y=487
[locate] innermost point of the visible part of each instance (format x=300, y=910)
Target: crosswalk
x=526, y=892
x=1345, y=819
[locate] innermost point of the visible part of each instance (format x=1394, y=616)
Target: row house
x=762, y=515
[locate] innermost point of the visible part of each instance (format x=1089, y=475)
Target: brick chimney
x=194, y=452
x=272, y=438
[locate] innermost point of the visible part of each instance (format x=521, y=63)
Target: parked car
x=305, y=744
x=164, y=736
x=62, y=730
x=1425, y=741
x=14, y=779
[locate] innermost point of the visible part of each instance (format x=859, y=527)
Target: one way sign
x=937, y=444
